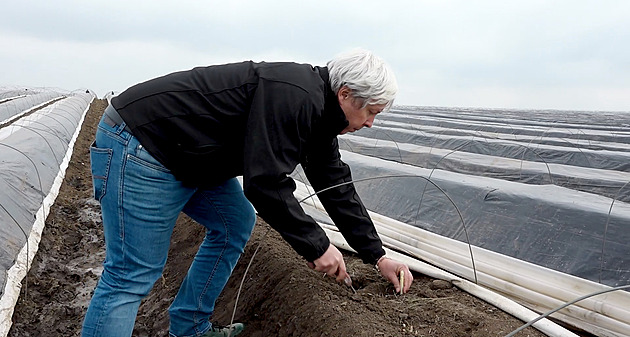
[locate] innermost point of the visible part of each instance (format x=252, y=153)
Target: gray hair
x=371, y=80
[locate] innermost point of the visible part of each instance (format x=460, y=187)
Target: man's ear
x=344, y=94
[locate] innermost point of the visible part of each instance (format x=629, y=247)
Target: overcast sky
x=533, y=54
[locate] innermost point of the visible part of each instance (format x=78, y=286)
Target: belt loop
x=114, y=116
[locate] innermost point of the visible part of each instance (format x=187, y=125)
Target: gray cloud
x=530, y=54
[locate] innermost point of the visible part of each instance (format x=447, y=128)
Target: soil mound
x=280, y=296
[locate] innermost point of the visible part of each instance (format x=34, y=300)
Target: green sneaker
x=224, y=331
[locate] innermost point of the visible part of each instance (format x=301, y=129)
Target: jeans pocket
x=143, y=157
x=100, y=160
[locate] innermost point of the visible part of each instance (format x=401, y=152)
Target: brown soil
x=281, y=296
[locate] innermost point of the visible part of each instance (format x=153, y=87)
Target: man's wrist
x=379, y=261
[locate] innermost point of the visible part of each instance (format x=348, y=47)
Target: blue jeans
x=140, y=201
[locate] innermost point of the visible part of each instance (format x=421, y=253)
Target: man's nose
x=369, y=122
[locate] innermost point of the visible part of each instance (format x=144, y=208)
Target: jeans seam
x=116, y=135
x=121, y=213
x=125, y=143
x=220, y=258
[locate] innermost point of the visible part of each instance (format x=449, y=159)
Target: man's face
x=357, y=116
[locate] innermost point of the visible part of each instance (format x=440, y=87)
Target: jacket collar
x=333, y=117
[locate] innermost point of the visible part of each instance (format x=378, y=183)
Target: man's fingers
x=331, y=263
x=341, y=272
x=408, y=280
x=332, y=271
x=392, y=269
x=394, y=280
x=342, y=275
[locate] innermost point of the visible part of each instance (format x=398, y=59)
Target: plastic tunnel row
x=35, y=148
x=563, y=151
x=531, y=204
x=543, y=194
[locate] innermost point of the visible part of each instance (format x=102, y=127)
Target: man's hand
x=332, y=264
x=390, y=269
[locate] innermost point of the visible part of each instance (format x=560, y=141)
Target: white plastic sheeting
x=34, y=154
x=548, y=187
x=542, y=197
x=16, y=102
x=537, y=288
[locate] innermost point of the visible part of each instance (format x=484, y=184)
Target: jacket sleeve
x=324, y=168
x=276, y=129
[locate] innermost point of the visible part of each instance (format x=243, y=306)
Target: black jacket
x=258, y=120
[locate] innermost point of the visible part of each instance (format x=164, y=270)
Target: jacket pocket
x=200, y=150
x=100, y=160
